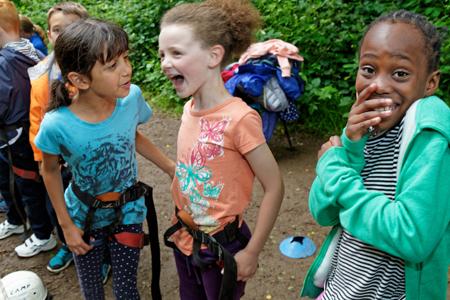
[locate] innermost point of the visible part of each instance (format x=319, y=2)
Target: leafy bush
x=326, y=32
x=140, y=19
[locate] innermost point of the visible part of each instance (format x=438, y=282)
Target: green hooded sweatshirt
x=415, y=226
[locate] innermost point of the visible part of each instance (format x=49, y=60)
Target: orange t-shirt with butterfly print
x=213, y=180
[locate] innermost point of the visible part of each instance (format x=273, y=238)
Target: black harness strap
x=152, y=223
x=132, y=193
x=12, y=189
x=214, y=244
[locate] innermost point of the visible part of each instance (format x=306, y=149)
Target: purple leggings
x=205, y=284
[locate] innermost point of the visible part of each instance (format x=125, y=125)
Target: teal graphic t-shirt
x=101, y=156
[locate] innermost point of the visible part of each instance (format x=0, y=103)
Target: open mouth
x=126, y=84
x=177, y=80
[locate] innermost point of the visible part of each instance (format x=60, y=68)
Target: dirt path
x=278, y=277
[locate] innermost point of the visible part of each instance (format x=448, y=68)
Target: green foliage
x=140, y=19
x=326, y=32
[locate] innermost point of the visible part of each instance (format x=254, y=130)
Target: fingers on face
x=368, y=117
x=365, y=94
x=363, y=126
x=372, y=105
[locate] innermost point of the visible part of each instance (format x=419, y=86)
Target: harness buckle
x=97, y=203
x=230, y=231
x=219, y=251
x=186, y=219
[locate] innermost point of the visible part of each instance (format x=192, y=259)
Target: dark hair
x=28, y=27
x=79, y=47
x=230, y=23
x=432, y=35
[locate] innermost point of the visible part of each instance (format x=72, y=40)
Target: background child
x=58, y=17
x=34, y=34
x=16, y=56
x=97, y=136
x=388, y=190
x=221, y=147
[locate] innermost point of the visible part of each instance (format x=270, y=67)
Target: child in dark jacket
x=20, y=183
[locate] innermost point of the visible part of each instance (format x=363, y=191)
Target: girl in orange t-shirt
x=221, y=148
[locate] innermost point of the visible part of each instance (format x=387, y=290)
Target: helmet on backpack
x=22, y=285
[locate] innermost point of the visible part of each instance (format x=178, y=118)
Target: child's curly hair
x=230, y=23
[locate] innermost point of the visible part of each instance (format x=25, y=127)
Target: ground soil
x=278, y=277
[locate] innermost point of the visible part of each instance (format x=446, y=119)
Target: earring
x=72, y=90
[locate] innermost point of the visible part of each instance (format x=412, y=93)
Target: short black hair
x=433, y=36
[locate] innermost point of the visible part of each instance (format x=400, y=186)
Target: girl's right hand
x=74, y=240
x=363, y=113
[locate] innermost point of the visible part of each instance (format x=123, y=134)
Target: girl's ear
x=432, y=83
x=78, y=80
x=216, y=54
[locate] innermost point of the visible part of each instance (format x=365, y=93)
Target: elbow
x=324, y=219
x=418, y=252
x=281, y=188
x=47, y=171
x=324, y=215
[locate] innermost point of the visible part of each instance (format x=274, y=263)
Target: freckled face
x=394, y=57
x=184, y=60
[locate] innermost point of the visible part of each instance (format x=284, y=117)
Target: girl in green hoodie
x=383, y=184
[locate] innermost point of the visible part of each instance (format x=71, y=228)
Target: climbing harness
x=116, y=200
x=214, y=243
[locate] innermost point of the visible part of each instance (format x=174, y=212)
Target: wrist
x=171, y=170
x=352, y=136
x=351, y=144
x=252, y=251
x=66, y=224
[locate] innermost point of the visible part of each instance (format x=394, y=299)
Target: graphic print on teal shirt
x=101, y=155
x=97, y=168
x=194, y=177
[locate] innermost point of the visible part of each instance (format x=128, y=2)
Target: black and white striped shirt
x=25, y=47
x=360, y=271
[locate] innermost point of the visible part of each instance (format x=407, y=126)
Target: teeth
x=386, y=108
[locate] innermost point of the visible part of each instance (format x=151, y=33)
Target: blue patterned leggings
x=124, y=263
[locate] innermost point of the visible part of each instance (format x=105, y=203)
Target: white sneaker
x=33, y=246
x=7, y=229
